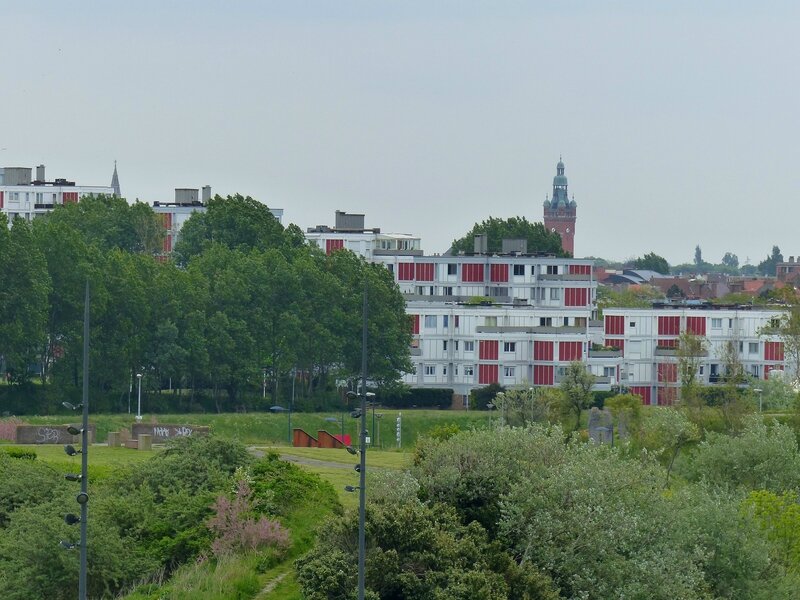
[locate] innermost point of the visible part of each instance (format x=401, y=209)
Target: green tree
x=698, y=256
x=652, y=262
x=23, y=298
x=665, y=432
x=769, y=264
x=691, y=348
x=496, y=230
x=731, y=260
x=236, y=222
x=576, y=390
x=788, y=330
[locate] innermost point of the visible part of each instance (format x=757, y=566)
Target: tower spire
x=115, y=181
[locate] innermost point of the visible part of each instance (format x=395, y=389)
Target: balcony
x=564, y=277
x=530, y=329
x=605, y=353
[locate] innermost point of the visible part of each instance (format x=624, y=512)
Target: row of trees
x=246, y=300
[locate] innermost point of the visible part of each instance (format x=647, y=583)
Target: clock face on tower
x=567, y=229
x=553, y=229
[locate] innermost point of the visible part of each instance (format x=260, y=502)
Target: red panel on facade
x=543, y=351
x=1, y=199
x=168, y=243
x=415, y=324
x=696, y=325
x=488, y=374
x=773, y=351
x=668, y=343
x=333, y=245
x=570, y=351
x=498, y=273
x=576, y=297
x=667, y=372
x=768, y=368
x=472, y=272
x=616, y=344
x=642, y=391
x=70, y=197
x=615, y=325
x=669, y=325
x=543, y=374
x=424, y=271
x=487, y=349
x=580, y=269
x=405, y=272
x=667, y=396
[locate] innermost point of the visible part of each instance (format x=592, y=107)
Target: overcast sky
x=678, y=125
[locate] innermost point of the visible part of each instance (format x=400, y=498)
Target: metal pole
x=291, y=404
x=84, y=448
x=362, y=499
x=139, y=404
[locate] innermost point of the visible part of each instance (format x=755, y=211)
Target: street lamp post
x=758, y=392
x=139, y=402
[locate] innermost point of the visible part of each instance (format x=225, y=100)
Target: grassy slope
x=268, y=428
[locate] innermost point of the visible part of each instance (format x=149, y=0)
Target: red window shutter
x=696, y=325
x=543, y=374
x=543, y=351
x=667, y=372
x=405, y=272
x=1, y=199
x=643, y=392
x=669, y=325
x=616, y=344
x=333, y=245
x=615, y=325
x=570, y=351
x=668, y=343
x=487, y=374
x=773, y=351
x=488, y=349
x=498, y=273
x=415, y=324
x=424, y=271
x=472, y=272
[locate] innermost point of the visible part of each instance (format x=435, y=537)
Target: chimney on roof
x=206, y=193
x=481, y=243
x=40, y=173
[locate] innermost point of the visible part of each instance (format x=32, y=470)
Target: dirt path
x=271, y=586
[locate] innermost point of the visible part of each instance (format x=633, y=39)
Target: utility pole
x=362, y=504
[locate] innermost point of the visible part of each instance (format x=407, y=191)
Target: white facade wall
x=31, y=201
x=647, y=337
x=367, y=244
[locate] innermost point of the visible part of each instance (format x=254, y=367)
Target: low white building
x=349, y=233
x=23, y=196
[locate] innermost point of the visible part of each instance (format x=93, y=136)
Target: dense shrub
x=415, y=398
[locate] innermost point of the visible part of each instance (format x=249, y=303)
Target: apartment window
x=753, y=347
x=445, y=321
x=390, y=266
x=632, y=324
x=455, y=370
x=456, y=345
x=490, y=321
x=702, y=369
x=430, y=321
x=609, y=371
x=545, y=321
x=444, y=370
x=555, y=293
x=519, y=269
x=420, y=290
x=508, y=371
x=469, y=346
x=730, y=323
x=741, y=347
x=447, y=291
x=754, y=370
x=430, y=370
x=716, y=323
x=455, y=321
x=444, y=345
x=452, y=268
x=509, y=346
x=552, y=269
x=469, y=370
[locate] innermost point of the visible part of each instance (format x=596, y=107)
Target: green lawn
x=273, y=429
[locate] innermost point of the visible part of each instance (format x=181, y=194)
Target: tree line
x=242, y=306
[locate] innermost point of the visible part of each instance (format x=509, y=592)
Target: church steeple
x=115, y=181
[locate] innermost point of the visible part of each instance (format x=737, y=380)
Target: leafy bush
x=415, y=398
x=20, y=453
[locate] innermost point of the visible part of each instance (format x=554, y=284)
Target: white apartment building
x=648, y=338
x=349, y=233
x=28, y=198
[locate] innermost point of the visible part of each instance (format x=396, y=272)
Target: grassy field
x=272, y=429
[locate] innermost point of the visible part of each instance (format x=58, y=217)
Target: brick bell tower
x=560, y=212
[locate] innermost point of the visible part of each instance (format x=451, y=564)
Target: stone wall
x=162, y=432
x=50, y=434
